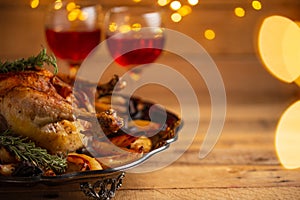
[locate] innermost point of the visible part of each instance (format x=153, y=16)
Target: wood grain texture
x=220, y=193
x=243, y=164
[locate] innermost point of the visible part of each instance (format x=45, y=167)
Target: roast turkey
x=39, y=105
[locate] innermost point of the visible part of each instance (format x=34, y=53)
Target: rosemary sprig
x=29, y=63
x=25, y=150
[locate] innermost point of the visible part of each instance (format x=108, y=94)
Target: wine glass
x=134, y=36
x=73, y=29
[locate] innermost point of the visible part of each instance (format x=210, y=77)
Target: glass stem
x=73, y=69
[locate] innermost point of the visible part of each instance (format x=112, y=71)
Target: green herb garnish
x=25, y=150
x=29, y=63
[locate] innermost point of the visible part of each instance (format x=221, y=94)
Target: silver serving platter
x=103, y=184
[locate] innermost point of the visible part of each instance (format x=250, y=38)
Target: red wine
x=146, y=50
x=72, y=45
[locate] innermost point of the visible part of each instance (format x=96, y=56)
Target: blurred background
x=226, y=29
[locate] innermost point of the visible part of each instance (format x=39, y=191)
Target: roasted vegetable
x=81, y=162
x=44, y=121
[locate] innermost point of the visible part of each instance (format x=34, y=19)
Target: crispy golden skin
x=34, y=104
x=38, y=105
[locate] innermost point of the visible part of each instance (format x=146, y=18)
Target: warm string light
x=175, y=5
x=176, y=17
x=58, y=5
x=184, y=10
x=193, y=2
x=209, y=34
x=241, y=12
x=34, y=3
x=180, y=8
x=279, y=49
x=256, y=5
x=75, y=13
x=163, y=2
x=74, y=10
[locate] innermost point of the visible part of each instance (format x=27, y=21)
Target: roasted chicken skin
x=38, y=105
x=34, y=104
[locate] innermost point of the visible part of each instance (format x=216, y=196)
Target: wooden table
x=243, y=165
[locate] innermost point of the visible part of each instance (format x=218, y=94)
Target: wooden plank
x=178, y=193
x=213, y=176
x=233, y=149
x=187, y=177
x=222, y=193
x=243, y=164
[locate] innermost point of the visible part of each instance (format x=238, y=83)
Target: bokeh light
x=256, y=5
x=287, y=138
x=136, y=27
x=72, y=16
x=124, y=28
x=193, y=2
x=58, y=5
x=163, y=2
x=83, y=16
x=239, y=12
x=34, y=3
x=175, y=5
x=185, y=10
x=279, y=47
x=70, y=6
x=113, y=27
x=181, y=8
x=176, y=17
x=209, y=34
